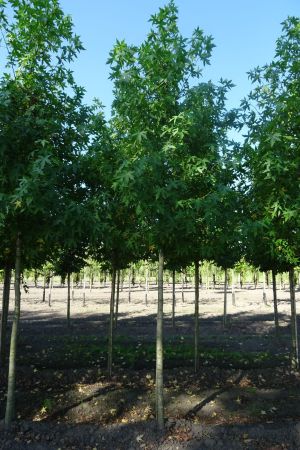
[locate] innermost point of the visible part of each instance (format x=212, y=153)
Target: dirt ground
x=243, y=397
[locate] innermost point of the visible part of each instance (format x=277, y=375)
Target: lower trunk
x=146, y=286
x=84, y=286
x=129, y=286
x=294, y=331
x=111, y=323
x=225, y=300
x=182, y=288
x=72, y=287
x=44, y=288
x=68, y=300
x=264, y=291
x=276, y=320
x=10, y=401
x=117, y=298
x=5, y=307
x=173, y=298
x=50, y=291
x=196, y=344
x=232, y=288
x=159, y=345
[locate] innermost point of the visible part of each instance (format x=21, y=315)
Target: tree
x=150, y=82
x=42, y=131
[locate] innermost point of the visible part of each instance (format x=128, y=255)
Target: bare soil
x=245, y=396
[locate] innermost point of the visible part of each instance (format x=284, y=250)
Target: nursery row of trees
x=161, y=179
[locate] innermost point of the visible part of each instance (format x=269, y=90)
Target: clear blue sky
x=244, y=34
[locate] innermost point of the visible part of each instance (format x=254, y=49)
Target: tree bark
x=72, y=287
x=111, y=323
x=182, y=288
x=10, y=401
x=69, y=299
x=5, y=308
x=50, y=290
x=129, y=286
x=225, y=299
x=84, y=286
x=232, y=288
x=146, y=286
x=117, y=299
x=294, y=330
x=196, y=330
x=173, y=298
x=159, y=346
x=264, y=291
x=276, y=320
x=44, y=288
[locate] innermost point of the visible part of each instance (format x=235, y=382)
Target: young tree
x=150, y=82
x=41, y=122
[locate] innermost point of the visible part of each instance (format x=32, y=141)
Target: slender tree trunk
x=146, y=286
x=225, y=299
x=294, y=330
x=129, y=286
x=159, y=345
x=182, y=287
x=84, y=286
x=69, y=299
x=72, y=287
x=10, y=401
x=196, y=331
x=264, y=291
x=173, y=297
x=50, y=290
x=117, y=298
x=276, y=320
x=111, y=323
x=232, y=288
x=44, y=288
x=122, y=280
x=5, y=308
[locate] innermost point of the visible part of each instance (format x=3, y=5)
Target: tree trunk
x=84, y=286
x=225, y=299
x=146, y=286
x=173, y=297
x=196, y=343
x=232, y=288
x=69, y=299
x=111, y=323
x=10, y=401
x=264, y=291
x=5, y=308
x=276, y=320
x=44, y=288
x=129, y=286
x=50, y=290
x=72, y=287
x=159, y=345
x=182, y=288
x=117, y=298
x=294, y=331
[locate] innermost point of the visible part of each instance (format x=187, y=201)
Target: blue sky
x=244, y=34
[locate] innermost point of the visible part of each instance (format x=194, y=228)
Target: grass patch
x=85, y=351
